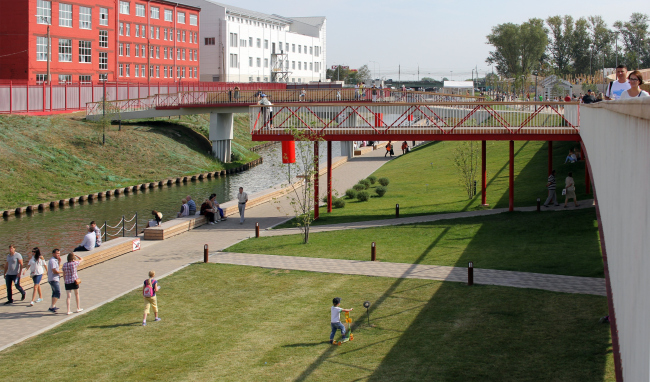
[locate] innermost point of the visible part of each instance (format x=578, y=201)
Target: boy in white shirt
x=336, y=320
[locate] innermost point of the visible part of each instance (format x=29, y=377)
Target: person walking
x=12, y=272
x=242, y=198
x=570, y=190
x=71, y=279
x=236, y=95
x=267, y=111
x=53, y=275
x=405, y=147
x=550, y=185
x=616, y=88
x=150, y=300
x=36, y=268
x=635, y=79
x=388, y=148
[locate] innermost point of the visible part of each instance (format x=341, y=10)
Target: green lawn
x=426, y=182
x=564, y=243
x=233, y=323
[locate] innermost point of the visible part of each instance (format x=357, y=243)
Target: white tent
x=459, y=85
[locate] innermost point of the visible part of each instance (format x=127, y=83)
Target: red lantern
x=288, y=152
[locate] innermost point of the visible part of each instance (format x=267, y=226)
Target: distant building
x=239, y=45
x=94, y=40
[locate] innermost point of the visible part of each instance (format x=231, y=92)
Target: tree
x=466, y=162
x=560, y=47
x=534, y=40
x=349, y=76
x=603, y=39
x=428, y=79
x=581, y=51
x=635, y=38
x=506, y=56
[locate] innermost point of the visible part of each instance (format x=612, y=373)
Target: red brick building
x=93, y=40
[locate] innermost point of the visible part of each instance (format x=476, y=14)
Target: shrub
x=363, y=196
x=359, y=187
x=324, y=199
x=365, y=182
x=381, y=190
x=351, y=193
x=338, y=203
x=383, y=181
x=372, y=179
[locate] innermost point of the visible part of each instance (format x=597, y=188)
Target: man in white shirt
x=98, y=241
x=616, y=88
x=88, y=242
x=242, y=198
x=53, y=274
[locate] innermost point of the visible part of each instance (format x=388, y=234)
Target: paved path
x=555, y=283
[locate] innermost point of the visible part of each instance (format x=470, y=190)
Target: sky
x=439, y=37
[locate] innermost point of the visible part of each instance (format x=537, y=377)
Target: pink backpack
x=148, y=289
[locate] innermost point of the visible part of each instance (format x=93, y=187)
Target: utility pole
x=418, y=72
x=104, y=114
x=399, y=73
x=49, y=56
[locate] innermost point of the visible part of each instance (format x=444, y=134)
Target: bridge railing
x=249, y=97
x=417, y=118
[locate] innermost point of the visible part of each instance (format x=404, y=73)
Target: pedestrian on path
x=53, y=274
x=36, y=268
x=71, y=279
x=150, y=300
x=550, y=185
x=336, y=320
x=242, y=198
x=12, y=272
x=388, y=148
x=405, y=147
x=570, y=190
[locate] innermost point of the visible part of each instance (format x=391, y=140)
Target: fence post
x=27, y=92
x=79, y=94
x=66, y=95
x=11, y=96
x=123, y=231
x=43, y=96
x=50, y=83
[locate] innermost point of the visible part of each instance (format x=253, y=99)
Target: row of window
x=67, y=78
x=254, y=22
x=44, y=15
x=313, y=66
x=154, y=13
x=266, y=79
x=154, y=52
x=65, y=50
x=234, y=41
x=140, y=70
x=154, y=33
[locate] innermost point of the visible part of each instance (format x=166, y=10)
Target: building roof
x=316, y=21
x=251, y=14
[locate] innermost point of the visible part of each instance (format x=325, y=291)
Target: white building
x=238, y=45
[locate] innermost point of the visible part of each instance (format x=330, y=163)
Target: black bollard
x=470, y=273
x=397, y=210
x=538, y=205
x=373, y=252
x=205, y=253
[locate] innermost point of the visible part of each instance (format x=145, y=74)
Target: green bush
x=381, y=190
x=351, y=193
x=324, y=199
x=372, y=179
x=359, y=187
x=363, y=196
x=338, y=203
x=365, y=182
x=383, y=181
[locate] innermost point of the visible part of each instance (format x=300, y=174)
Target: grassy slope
x=201, y=124
x=564, y=243
x=271, y=325
x=48, y=158
x=425, y=182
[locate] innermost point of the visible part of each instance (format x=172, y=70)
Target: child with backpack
x=149, y=293
x=336, y=320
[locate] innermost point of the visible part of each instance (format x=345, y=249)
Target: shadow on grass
x=305, y=344
x=137, y=323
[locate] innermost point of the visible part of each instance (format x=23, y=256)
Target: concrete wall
x=617, y=139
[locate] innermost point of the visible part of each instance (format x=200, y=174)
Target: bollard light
x=470, y=273
x=396, y=210
x=257, y=229
x=366, y=305
x=205, y=253
x=538, y=205
x=373, y=252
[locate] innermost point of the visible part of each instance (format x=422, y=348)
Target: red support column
x=329, y=176
x=511, y=198
x=483, y=173
x=550, y=157
x=316, y=176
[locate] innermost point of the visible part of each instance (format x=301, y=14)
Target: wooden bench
x=174, y=227
x=109, y=250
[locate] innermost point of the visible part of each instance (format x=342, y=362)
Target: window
x=184, y=37
x=250, y=79
x=41, y=48
x=171, y=54
x=124, y=8
x=178, y=72
x=143, y=51
x=157, y=71
x=299, y=48
x=103, y=60
x=128, y=50
x=84, y=79
x=65, y=15
x=250, y=42
x=139, y=10
x=151, y=71
x=280, y=46
x=293, y=65
x=85, y=52
x=103, y=77
x=316, y=51
x=143, y=32
x=121, y=70
x=40, y=78
x=157, y=33
x=155, y=12
x=103, y=39
x=293, y=48
x=183, y=55
x=143, y=71
x=250, y=61
x=209, y=41
x=165, y=34
x=266, y=62
x=242, y=42
x=151, y=34
x=195, y=40
x=178, y=35
x=190, y=53
x=128, y=30
x=233, y=40
x=233, y=60
x=183, y=72
x=137, y=30
x=165, y=71
x=103, y=16
x=181, y=17
x=65, y=78
x=43, y=12
x=137, y=50
x=299, y=65
x=151, y=52
x=121, y=49
x=168, y=15
x=121, y=29
x=266, y=79
x=178, y=54
x=196, y=55
x=85, y=18
x=137, y=70
x=266, y=44
x=310, y=66
x=194, y=20
x=157, y=52
x=65, y=50
x=127, y=70
x=259, y=43
x=311, y=50
x=259, y=62
x=165, y=53
x=258, y=79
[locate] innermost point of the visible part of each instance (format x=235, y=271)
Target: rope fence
x=122, y=228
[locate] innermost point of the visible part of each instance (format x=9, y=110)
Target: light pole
x=374, y=69
x=48, y=20
x=591, y=52
x=616, y=43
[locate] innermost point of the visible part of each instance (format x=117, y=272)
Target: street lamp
x=47, y=20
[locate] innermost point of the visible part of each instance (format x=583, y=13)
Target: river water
x=65, y=228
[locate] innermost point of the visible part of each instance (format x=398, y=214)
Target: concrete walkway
x=555, y=283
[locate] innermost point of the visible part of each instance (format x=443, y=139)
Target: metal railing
x=418, y=118
x=122, y=228
x=251, y=97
